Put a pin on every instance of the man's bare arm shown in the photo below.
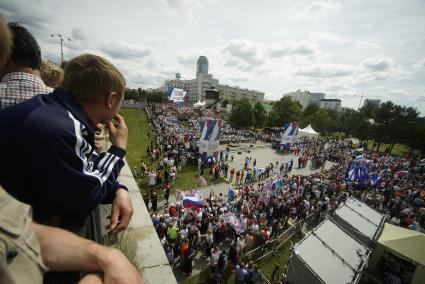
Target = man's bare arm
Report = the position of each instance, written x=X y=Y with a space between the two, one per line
x=64 y=251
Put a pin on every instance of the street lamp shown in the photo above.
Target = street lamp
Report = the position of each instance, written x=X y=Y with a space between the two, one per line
x=62 y=38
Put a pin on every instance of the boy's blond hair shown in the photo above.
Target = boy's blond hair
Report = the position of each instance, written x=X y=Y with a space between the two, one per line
x=51 y=74
x=90 y=77
x=5 y=41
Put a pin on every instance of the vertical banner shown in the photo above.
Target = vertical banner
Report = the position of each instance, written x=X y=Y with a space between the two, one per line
x=288 y=135
x=210 y=138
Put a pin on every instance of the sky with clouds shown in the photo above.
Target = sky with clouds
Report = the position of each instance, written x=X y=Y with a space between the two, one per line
x=343 y=48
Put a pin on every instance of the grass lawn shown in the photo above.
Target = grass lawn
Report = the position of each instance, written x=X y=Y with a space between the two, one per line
x=398 y=150
x=138 y=142
x=268 y=265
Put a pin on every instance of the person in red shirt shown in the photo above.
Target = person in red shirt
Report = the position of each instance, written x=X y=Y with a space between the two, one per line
x=232 y=173
x=183 y=249
x=238 y=174
x=172 y=210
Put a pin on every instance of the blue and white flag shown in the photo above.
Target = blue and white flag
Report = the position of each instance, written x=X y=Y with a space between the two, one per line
x=288 y=135
x=358 y=170
x=374 y=179
x=210 y=138
x=230 y=193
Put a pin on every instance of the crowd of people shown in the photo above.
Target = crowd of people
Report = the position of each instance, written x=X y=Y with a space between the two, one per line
x=263 y=207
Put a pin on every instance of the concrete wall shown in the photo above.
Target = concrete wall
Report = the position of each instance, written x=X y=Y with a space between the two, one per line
x=150 y=253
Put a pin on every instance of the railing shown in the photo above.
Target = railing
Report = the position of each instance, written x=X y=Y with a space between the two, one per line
x=272 y=246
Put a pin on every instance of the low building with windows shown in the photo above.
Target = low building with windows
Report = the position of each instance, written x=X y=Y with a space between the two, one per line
x=332 y=104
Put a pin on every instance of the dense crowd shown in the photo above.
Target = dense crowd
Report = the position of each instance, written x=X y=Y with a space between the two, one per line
x=263 y=208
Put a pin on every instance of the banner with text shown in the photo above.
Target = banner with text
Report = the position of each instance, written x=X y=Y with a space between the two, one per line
x=178 y=96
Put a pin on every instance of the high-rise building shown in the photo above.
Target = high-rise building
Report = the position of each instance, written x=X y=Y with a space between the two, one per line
x=306 y=98
x=201 y=65
x=196 y=87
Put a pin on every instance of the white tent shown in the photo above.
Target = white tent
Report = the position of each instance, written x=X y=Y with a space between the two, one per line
x=360 y=221
x=199 y=104
x=337 y=251
x=406 y=244
x=308 y=132
x=327 y=255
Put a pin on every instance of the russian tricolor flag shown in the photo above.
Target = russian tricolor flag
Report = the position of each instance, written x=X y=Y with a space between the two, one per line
x=192 y=202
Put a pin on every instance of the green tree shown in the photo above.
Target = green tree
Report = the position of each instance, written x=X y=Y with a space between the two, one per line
x=272 y=119
x=285 y=110
x=225 y=102
x=130 y=94
x=156 y=97
x=310 y=109
x=320 y=121
x=417 y=139
x=369 y=109
x=241 y=114
x=259 y=115
x=383 y=123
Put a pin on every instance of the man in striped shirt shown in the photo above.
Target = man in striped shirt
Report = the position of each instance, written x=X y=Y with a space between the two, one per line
x=21 y=76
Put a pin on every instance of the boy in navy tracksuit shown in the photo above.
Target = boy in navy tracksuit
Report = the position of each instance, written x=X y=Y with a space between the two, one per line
x=47 y=147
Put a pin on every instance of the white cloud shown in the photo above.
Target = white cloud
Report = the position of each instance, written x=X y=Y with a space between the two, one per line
x=247 y=52
x=291 y=47
x=188 y=11
x=318 y=9
x=125 y=50
x=34 y=18
x=326 y=37
x=386 y=91
x=419 y=65
x=326 y=70
x=367 y=45
x=378 y=63
x=78 y=34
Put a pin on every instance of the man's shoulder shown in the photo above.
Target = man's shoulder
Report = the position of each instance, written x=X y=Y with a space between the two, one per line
x=48 y=119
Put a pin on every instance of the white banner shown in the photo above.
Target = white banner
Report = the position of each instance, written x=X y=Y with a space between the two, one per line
x=177 y=95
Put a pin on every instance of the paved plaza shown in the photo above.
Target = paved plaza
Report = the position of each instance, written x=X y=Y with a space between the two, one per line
x=264 y=154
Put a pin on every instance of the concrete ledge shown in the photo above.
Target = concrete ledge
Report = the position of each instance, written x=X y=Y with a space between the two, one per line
x=150 y=253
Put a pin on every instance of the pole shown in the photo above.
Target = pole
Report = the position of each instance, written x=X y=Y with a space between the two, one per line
x=360 y=104
x=61 y=40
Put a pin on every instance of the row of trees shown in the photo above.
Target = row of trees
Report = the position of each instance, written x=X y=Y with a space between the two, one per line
x=140 y=95
x=384 y=123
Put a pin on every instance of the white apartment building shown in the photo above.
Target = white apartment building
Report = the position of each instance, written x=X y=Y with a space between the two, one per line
x=306 y=98
x=235 y=93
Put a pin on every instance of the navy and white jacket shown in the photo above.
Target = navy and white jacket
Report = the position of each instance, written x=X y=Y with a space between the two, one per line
x=48 y=158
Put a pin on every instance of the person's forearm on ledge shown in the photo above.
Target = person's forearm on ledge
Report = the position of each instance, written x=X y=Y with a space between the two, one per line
x=64 y=251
